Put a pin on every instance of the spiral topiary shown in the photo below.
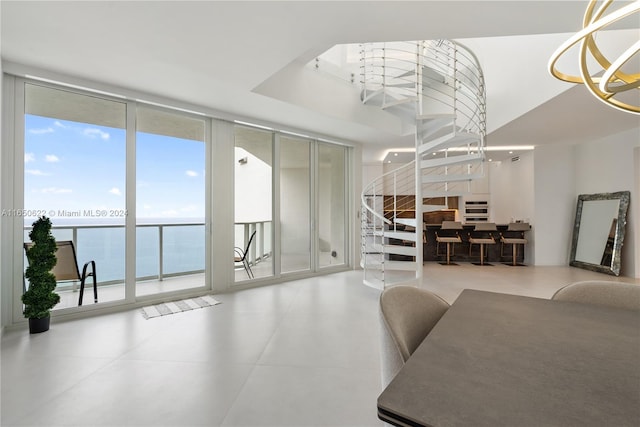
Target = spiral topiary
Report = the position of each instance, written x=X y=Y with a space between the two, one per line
x=40 y=298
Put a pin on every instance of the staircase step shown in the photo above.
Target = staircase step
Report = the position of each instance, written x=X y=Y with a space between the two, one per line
x=375 y=284
x=444 y=193
x=453 y=160
x=447 y=141
x=411 y=222
x=428 y=179
x=432 y=74
x=409 y=85
x=435 y=116
x=400 y=250
x=433 y=208
x=401 y=265
x=409 y=73
x=407 y=100
x=402 y=235
x=371 y=94
x=427 y=127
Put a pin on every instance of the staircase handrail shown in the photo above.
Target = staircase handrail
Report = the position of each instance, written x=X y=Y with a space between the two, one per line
x=372 y=184
x=378 y=68
x=438 y=85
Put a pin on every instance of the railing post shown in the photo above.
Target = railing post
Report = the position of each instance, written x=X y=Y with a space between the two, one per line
x=384 y=73
x=260 y=234
x=252 y=249
x=74 y=237
x=160 y=252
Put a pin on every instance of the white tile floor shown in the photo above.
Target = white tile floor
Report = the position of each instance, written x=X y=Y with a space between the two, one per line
x=293 y=354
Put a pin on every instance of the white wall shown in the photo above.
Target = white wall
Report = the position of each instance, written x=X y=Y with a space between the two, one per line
x=371 y=171
x=554 y=198
x=252 y=187
x=511 y=187
x=607 y=166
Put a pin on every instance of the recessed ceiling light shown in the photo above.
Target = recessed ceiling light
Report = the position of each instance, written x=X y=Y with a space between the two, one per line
x=510 y=152
x=395 y=154
x=491 y=160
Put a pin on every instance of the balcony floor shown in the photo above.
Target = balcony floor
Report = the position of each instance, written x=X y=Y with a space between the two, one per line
x=115 y=292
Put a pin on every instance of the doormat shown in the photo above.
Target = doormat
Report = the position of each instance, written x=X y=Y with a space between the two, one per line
x=173 y=307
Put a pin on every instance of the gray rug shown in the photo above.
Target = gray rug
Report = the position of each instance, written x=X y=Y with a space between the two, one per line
x=173 y=307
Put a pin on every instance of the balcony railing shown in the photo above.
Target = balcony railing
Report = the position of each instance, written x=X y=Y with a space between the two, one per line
x=162 y=249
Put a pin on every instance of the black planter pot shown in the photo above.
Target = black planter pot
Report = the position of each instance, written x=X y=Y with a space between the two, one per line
x=39 y=325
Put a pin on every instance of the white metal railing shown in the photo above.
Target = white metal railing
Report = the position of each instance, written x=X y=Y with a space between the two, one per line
x=164 y=256
x=383 y=201
x=386 y=65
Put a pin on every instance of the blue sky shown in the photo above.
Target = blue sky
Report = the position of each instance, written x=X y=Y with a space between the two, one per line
x=77 y=166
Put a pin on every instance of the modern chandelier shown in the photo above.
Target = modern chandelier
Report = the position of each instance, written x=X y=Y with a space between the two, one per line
x=613 y=81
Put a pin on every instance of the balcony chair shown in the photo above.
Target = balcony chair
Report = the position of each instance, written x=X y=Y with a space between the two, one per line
x=514 y=235
x=448 y=233
x=601 y=292
x=66 y=268
x=241 y=256
x=407 y=315
x=482 y=234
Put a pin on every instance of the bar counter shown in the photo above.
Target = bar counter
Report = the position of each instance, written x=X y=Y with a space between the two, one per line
x=460 y=253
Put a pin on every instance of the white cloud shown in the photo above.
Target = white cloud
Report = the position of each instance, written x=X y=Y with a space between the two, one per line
x=116 y=191
x=51 y=158
x=93 y=132
x=60 y=125
x=29 y=157
x=191 y=173
x=56 y=190
x=145 y=206
x=171 y=212
x=36 y=172
x=41 y=131
x=189 y=208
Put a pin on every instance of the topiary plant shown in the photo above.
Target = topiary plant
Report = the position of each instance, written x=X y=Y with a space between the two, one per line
x=40 y=298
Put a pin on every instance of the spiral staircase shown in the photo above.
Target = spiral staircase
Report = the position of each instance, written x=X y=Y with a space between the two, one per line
x=436 y=88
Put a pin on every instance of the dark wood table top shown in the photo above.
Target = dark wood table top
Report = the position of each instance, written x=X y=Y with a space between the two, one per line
x=505 y=360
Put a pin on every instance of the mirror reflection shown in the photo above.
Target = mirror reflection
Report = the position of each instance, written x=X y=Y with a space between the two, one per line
x=599 y=231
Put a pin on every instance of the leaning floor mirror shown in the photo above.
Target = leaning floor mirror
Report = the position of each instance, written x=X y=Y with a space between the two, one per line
x=598 y=232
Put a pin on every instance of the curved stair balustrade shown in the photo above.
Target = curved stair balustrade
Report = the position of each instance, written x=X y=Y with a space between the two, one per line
x=437 y=88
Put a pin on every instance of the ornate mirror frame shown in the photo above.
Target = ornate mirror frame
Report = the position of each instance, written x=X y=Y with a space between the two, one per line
x=613 y=246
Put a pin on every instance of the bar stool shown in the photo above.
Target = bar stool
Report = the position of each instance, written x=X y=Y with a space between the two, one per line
x=449 y=233
x=514 y=235
x=482 y=235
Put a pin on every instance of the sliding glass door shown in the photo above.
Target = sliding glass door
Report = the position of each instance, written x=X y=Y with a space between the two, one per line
x=253 y=207
x=90 y=164
x=170 y=201
x=332 y=205
x=295 y=204
x=74 y=173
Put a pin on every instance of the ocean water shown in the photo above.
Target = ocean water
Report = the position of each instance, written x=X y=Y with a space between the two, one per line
x=183 y=245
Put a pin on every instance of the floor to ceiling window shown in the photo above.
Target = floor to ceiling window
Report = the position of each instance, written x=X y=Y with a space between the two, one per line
x=170 y=201
x=74 y=173
x=295 y=204
x=311 y=179
x=130 y=184
x=332 y=205
x=253 y=207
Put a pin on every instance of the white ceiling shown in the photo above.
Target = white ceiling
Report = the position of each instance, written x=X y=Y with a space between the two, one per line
x=217 y=54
